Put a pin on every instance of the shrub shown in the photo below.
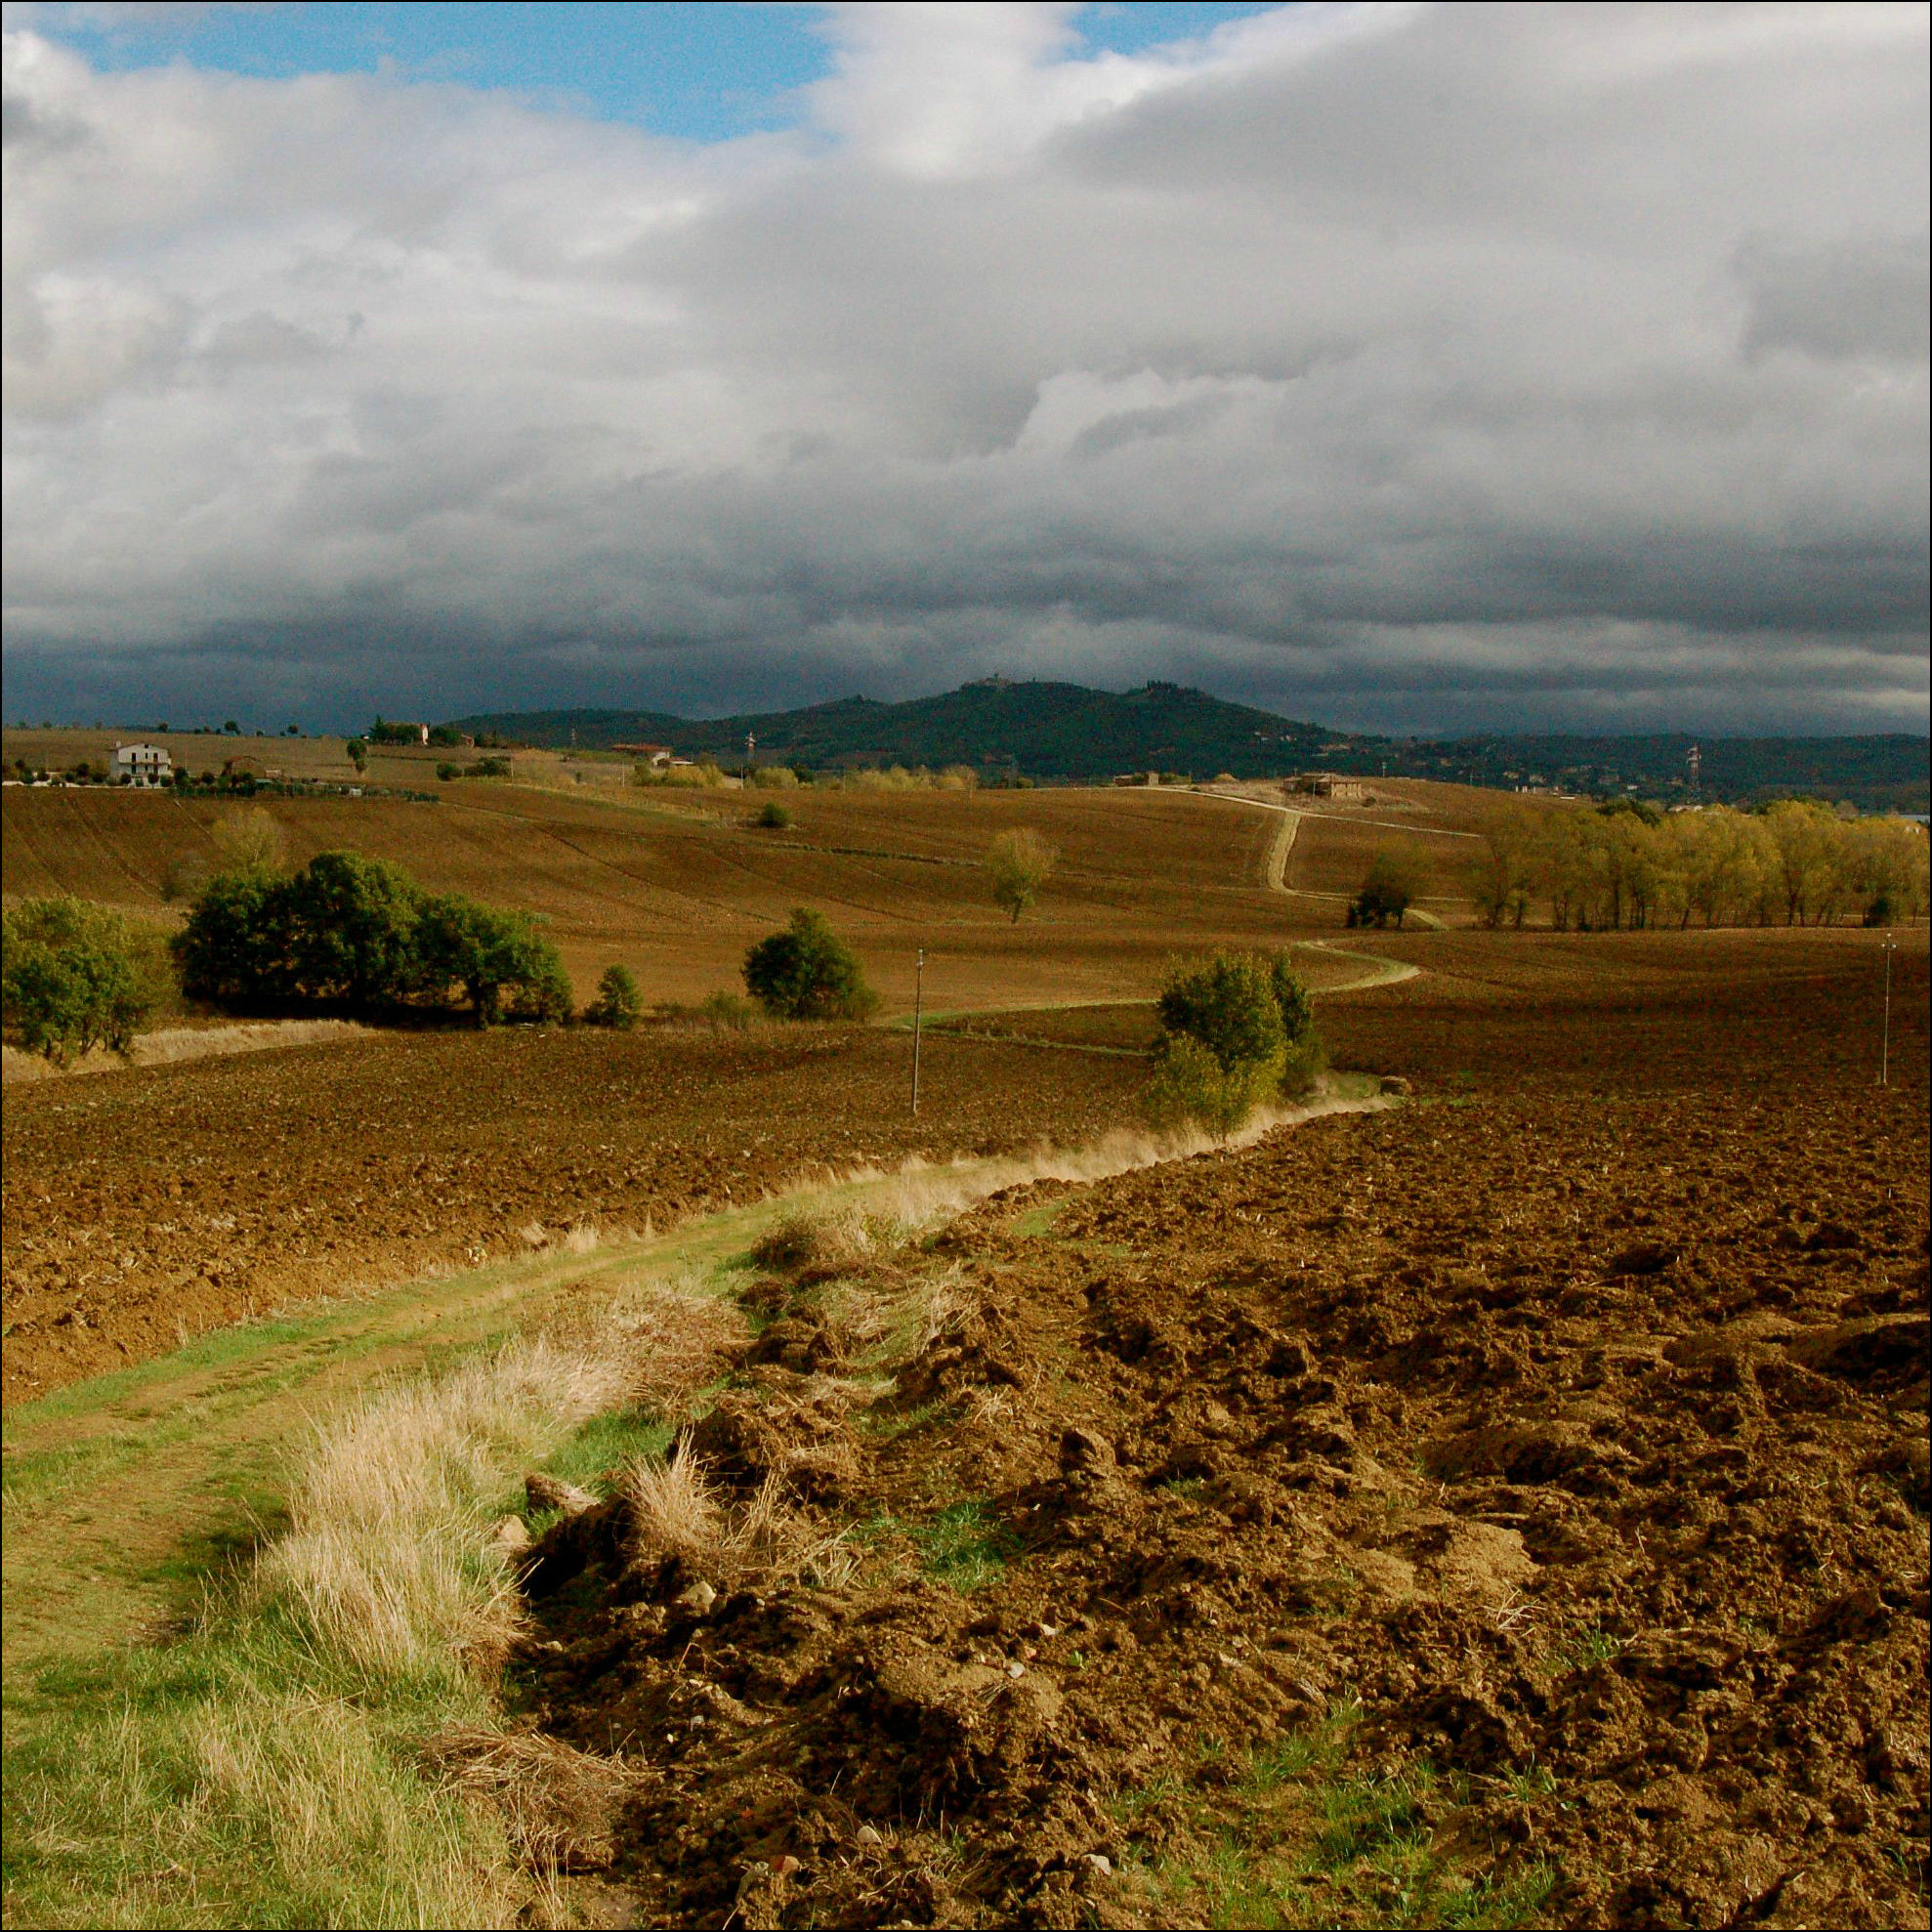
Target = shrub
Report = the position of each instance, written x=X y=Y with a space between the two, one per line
x=489 y=952
x=775 y=777
x=807 y=972
x=1227 y=1003
x=76 y=975
x=618 y=1003
x=1190 y=1087
x=1018 y=864
x=728 y=1010
x=775 y=816
x=1236 y=1030
x=250 y=836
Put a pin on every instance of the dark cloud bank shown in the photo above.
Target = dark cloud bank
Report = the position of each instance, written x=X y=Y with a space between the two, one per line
x=1410 y=368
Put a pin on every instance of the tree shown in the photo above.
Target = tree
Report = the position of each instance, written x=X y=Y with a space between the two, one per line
x=807 y=972
x=618 y=1003
x=1499 y=876
x=1018 y=864
x=1388 y=889
x=1227 y=1005
x=1237 y=1028
x=354 y=931
x=358 y=754
x=489 y=952
x=237 y=946
x=250 y=839
x=76 y=975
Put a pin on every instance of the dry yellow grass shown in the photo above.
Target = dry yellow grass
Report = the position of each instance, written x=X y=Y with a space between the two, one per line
x=393 y=1500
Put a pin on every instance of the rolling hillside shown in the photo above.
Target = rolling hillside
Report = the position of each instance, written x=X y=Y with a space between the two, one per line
x=676 y=886
x=1065 y=733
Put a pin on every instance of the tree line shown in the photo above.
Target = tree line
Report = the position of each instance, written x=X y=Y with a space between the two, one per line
x=1628 y=866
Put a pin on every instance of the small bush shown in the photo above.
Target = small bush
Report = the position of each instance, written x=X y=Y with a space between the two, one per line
x=1237 y=1030
x=1388 y=889
x=1227 y=1005
x=775 y=817
x=729 y=1011
x=807 y=972
x=618 y=1003
x=775 y=777
x=1190 y=1087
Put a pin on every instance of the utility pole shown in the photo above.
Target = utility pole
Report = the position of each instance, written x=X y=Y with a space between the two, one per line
x=1884 y=1039
x=750 y=755
x=918 y=1015
x=1694 y=758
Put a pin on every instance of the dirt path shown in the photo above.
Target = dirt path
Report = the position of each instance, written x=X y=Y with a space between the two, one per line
x=1275 y=863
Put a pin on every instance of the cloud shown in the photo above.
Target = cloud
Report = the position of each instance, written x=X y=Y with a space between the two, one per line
x=1407 y=367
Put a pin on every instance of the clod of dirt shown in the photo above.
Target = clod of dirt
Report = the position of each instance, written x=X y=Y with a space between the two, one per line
x=1870 y=1349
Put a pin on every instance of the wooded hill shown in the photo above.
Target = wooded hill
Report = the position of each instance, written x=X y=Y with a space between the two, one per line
x=1066 y=733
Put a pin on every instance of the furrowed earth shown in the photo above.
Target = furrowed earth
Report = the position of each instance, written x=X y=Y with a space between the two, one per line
x=1505 y=1509
x=1507 y=1506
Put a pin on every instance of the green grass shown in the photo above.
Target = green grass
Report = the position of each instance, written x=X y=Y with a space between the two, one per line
x=598 y=1452
x=239 y=1777
x=963 y=1544
x=1589 y=1647
x=1299 y=1841
x=966 y=1545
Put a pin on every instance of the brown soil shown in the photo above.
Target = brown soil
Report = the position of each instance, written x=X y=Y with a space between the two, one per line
x=1523 y=1489
x=156 y=1203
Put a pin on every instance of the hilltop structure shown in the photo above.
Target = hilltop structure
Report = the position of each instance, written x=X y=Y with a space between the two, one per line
x=146 y=767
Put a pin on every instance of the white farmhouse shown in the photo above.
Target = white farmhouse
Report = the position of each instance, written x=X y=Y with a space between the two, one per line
x=145 y=765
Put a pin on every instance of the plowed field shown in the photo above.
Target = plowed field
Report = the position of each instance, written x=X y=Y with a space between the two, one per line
x=1510 y=1509
x=149 y=1205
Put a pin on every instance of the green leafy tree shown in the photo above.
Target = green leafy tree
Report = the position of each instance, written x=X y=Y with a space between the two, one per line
x=1388 y=889
x=76 y=975
x=1236 y=1030
x=618 y=1003
x=358 y=754
x=237 y=948
x=807 y=972
x=354 y=931
x=1018 y=864
x=1227 y=1004
x=490 y=955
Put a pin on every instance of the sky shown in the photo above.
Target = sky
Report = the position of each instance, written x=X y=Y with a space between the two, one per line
x=1405 y=367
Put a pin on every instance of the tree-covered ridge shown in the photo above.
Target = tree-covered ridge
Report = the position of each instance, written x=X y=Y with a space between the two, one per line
x=1045 y=729
x=1063 y=732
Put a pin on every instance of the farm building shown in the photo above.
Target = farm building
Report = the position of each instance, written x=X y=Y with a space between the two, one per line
x=657 y=756
x=242 y=766
x=144 y=765
x=1327 y=785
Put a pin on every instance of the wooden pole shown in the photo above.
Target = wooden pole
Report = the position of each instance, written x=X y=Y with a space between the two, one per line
x=918 y=1014
x=1885 y=1038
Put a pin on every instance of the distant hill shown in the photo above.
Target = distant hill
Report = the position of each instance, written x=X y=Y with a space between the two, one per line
x=1044 y=729
x=1063 y=733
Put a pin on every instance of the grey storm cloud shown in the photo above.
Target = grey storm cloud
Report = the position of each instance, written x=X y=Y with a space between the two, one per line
x=1408 y=366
